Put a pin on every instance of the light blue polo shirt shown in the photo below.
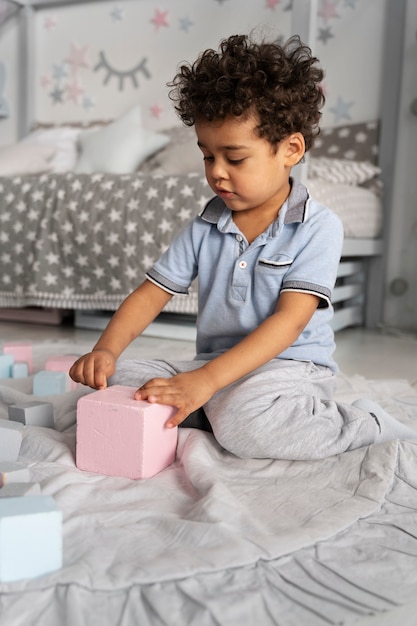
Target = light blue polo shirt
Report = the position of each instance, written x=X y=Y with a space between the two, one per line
x=239 y=283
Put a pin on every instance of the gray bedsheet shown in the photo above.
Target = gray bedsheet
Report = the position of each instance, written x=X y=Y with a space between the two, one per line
x=218 y=541
x=81 y=241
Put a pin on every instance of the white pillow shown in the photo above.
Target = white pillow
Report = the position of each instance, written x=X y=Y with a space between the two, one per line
x=120 y=147
x=64 y=139
x=179 y=159
x=24 y=158
x=342 y=171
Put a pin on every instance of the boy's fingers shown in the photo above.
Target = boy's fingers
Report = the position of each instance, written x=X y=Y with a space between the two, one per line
x=176 y=420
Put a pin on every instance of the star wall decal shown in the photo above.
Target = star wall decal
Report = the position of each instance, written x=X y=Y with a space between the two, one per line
x=325 y=34
x=45 y=81
x=156 y=110
x=49 y=22
x=88 y=103
x=78 y=57
x=186 y=24
x=57 y=95
x=272 y=4
x=117 y=14
x=328 y=10
x=74 y=91
x=60 y=71
x=341 y=110
x=160 y=19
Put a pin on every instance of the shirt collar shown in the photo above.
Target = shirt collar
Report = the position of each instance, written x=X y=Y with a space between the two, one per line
x=294 y=210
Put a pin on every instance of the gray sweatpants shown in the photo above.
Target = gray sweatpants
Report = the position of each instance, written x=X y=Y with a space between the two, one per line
x=282 y=410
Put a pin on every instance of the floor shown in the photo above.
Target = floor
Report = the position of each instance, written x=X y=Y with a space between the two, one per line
x=379 y=354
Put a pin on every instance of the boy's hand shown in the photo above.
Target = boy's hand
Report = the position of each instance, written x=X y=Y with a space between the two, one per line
x=93 y=369
x=187 y=391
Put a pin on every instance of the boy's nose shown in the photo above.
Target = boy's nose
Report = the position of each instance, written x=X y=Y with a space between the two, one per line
x=218 y=171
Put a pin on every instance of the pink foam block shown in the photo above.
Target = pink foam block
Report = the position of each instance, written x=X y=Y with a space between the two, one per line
x=21 y=351
x=120 y=436
x=62 y=363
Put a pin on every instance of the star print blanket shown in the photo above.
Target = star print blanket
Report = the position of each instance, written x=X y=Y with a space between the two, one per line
x=81 y=241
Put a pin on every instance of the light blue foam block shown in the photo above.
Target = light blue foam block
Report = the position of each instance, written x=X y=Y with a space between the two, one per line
x=6 y=364
x=49 y=383
x=20 y=370
x=30 y=537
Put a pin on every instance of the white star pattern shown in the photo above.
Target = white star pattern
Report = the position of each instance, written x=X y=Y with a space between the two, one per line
x=52 y=259
x=167 y=203
x=115 y=215
x=184 y=214
x=84 y=282
x=130 y=250
x=131 y=272
x=165 y=226
x=112 y=238
x=152 y=193
x=81 y=238
x=51 y=279
x=98 y=272
x=148 y=215
x=131 y=227
x=147 y=238
x=133 y=205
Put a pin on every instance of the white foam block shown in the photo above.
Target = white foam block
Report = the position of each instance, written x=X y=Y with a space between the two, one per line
x=10 y=439
x=14 y=490
x=33 y=413
x=13 y=473
x=30 y=537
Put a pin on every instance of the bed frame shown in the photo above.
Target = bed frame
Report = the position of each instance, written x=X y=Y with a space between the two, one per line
x=358 y=295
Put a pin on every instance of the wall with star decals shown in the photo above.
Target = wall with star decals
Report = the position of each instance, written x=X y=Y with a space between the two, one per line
x=94 y=61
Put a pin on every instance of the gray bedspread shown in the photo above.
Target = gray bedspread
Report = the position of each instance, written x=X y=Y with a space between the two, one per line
x=78 y=241
x=214 y=540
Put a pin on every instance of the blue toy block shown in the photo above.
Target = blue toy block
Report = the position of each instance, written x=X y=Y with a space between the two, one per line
x=20 y=370
x=47 y=383
x=33 y=413
x=6 y=363
x=30 y=537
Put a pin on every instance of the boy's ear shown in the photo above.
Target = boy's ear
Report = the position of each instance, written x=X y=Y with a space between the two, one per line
x=295 y=149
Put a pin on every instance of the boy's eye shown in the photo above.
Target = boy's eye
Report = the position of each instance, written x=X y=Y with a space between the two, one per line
x=235 y=161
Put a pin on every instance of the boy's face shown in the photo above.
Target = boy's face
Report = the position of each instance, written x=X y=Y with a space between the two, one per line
x=242 y=168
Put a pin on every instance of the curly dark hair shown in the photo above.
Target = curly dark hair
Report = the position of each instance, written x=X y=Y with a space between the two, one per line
x=280 y=83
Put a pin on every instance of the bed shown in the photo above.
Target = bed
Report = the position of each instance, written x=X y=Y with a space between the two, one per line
x=213 y=540
x=78 y=234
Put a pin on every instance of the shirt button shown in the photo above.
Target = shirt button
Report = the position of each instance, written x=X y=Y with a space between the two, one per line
x=242 y=264
x=239 y=237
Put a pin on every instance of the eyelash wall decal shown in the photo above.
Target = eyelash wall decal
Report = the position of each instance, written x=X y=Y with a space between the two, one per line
x=122 y=75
